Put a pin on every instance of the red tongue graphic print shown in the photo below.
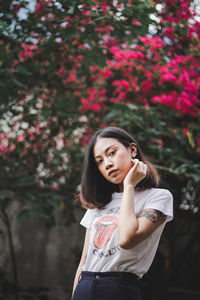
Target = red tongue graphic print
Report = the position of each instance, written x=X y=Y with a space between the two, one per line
x=105 y=227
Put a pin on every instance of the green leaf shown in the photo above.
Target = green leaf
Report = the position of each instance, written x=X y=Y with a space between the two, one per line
x=27 y=213
x=26 y=181
x=53 y=203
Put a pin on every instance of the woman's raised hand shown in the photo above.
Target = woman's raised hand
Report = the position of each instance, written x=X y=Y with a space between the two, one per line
x=136 y=173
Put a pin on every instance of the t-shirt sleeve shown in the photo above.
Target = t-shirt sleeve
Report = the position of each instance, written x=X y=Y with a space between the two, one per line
x=87 y=219
x=161 y=200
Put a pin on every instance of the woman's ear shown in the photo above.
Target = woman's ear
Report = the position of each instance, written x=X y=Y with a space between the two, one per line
x=133 y=149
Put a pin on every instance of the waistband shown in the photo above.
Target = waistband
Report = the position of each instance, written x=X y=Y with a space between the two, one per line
x=120 y=275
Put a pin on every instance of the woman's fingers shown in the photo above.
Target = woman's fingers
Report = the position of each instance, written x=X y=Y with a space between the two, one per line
x=143 y=168
x=136 y=173
x=140 y=167
x=135 y=163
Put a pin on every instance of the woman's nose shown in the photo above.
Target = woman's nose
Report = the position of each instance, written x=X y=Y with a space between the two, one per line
x=108 y=164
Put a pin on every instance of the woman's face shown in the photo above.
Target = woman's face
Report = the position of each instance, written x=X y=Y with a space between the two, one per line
x=113 y=159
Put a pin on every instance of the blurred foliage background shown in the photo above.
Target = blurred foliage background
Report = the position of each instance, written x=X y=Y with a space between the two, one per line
x=70 y=67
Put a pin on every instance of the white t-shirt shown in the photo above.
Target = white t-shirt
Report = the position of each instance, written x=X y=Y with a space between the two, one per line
x=104 y=252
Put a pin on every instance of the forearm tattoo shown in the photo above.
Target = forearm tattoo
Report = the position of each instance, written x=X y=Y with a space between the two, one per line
x=153 y=215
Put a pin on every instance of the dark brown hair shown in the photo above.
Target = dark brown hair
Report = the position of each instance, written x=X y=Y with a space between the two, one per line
x=96 y=191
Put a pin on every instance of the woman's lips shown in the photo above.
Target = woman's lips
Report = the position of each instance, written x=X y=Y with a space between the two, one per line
x=113 y=173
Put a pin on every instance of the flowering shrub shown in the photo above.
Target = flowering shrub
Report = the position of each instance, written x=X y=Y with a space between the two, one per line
x=71 y=67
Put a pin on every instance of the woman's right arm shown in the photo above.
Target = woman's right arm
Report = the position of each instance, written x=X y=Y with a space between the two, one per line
x=83 y=259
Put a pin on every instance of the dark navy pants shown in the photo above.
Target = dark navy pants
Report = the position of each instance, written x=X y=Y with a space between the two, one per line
x=107 y=286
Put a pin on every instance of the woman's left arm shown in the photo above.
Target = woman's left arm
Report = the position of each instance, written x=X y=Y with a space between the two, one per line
x=133 y=230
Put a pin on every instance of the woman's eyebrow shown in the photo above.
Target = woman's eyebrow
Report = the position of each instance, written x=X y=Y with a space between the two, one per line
x=106 y=150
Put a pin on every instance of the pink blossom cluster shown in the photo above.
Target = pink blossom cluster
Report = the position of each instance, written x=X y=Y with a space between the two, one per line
x=29 y=138
x=125 y=55
x=5 y=146
x=16 y=7
x=177 y=10
x=28 y=51
x=182 y=19
x=143 y=77
x=183 y=75
x=139 y=72
x=122 y=87
x=87 y=136
x=40 y=6
x=95 y=99
x=155 y=42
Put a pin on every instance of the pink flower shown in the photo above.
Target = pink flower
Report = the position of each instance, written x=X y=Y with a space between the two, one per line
x=12 y=147
x=80 y=46
x=104 y=6
x=84 y=21
x=86 y=106
x=87 y=136
x=114 y=100
x=125 y=84
x=122 y=95
x=31 y=135
x=185 y=131
x=16 y=7
x=20 y=138
x=58 y=40
x=100 y=29
x=121 y=84
x=96 y=107
x=86 y=139
x=68 y=18
x=80 y=57
x=3 y=149
x=126 y=55
x=27 y=52
x=168 y=77
x=169 y=32
x=168 y=100
x=86 y=12
x=48 y=160
x=71 y=77
x=61 y=72
x=185 y=77
x=145 y=40
x=146 y=86
x=136 y=22
x=198 y=142
x=14 y=63
x=108 y=73
x=155 y=42
x=44 y=96
x=36 y=146
x=54 y=187
x=55 y=119
x=102 y=92
x=37 y=128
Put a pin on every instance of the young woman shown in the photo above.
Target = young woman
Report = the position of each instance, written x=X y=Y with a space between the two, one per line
x=125 y=217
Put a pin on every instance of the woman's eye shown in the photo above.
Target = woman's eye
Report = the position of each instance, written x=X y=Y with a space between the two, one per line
x=99 y=162
x=112 y=153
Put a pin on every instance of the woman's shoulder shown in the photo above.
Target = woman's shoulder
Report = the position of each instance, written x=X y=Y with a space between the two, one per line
x=162 y=192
